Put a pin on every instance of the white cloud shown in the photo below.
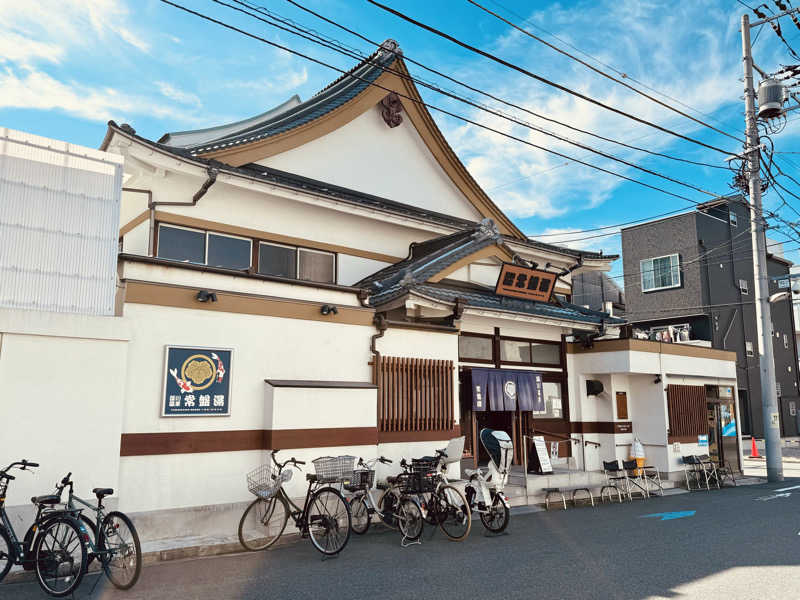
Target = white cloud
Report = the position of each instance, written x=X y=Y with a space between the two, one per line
x=20 y=49
x=173 y=93
x=590 y=240
x=288 y=81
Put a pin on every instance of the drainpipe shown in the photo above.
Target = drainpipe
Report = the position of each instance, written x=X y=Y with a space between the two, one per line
x=381 y=326
x=212 y=173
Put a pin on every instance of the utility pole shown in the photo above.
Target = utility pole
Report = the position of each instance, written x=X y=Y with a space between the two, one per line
x=769 y=393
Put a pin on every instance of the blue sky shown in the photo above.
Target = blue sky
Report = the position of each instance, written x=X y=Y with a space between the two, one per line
x=68 y=66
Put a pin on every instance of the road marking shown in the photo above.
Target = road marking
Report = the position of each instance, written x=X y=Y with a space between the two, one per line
x=774 y=496
x=794 y=487
x=668 y=516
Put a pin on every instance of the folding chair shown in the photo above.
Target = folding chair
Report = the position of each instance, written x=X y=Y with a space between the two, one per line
x=633 y=479
x=652 y=480
x=710 y=468
x=724 y=471
x=614 y=477
x=694 y=473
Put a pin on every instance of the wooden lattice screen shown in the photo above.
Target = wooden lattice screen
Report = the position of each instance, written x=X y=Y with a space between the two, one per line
x=688 y=414
x=415 y=394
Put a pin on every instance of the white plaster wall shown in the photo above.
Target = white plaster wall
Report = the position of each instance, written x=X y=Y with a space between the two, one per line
x=137 y=240
x=478 y=324
x=131 y=206
x=370 y=157
x=355 y=268
x=320 y=408
x=62 y=399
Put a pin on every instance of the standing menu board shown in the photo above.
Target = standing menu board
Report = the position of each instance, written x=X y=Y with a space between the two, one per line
x=540 y=462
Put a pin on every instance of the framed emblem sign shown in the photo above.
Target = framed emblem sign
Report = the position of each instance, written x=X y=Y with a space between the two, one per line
x=196 y=382
x=523 y=282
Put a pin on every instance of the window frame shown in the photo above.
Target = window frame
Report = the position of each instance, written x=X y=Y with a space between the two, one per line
x=476 y=360
x=733 y=218
x=194 y=229
x=654 y=258
x=316 y=251
x=236 y=237
x=279 y=245
x=744 y=289
x=531 y=341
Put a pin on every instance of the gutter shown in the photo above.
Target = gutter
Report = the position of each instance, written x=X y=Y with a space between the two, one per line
x=381 y=326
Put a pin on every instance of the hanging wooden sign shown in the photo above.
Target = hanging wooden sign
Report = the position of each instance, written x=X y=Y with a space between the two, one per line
x=523 y=282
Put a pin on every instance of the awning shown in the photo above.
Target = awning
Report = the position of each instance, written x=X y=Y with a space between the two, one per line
x=506 y=389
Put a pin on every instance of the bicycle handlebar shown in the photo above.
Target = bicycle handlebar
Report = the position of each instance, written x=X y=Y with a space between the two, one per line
x=283 y=464
x=22 y=464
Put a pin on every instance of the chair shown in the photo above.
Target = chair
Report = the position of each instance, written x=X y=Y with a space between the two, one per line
x=652 y=480
x=710 y=468
x=725 y=471
x=633 y=479
x=694 y=473
x=614 y=477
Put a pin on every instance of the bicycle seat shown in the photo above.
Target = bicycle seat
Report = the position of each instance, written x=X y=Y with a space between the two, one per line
x=46 y=499
x=311 y=477
x=100 y=492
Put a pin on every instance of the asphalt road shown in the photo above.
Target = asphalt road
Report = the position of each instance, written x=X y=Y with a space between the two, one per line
x=735 y=546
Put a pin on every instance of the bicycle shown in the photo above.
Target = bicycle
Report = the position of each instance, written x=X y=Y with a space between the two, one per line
x=116 y=542
x=442 y=504
x=324 y=518
x=54 y=546
x=406 y=514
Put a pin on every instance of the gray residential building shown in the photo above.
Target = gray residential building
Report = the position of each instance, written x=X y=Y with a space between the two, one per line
x=689 y=279
x=598 y=291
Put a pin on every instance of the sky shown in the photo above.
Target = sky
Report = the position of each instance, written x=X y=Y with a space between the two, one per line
x=68 y=66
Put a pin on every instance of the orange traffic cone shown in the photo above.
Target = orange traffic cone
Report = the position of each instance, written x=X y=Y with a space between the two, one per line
x=754 y=449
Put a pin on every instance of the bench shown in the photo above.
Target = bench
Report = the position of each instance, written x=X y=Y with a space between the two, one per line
x=559 y=491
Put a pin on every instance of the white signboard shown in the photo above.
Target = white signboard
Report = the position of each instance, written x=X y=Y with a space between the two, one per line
x=541 y=452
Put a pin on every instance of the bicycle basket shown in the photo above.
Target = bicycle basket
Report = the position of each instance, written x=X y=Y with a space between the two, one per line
x=331 y=469
x=424 y=465
x=363 y=479
x=416 y=483
x=265 y=481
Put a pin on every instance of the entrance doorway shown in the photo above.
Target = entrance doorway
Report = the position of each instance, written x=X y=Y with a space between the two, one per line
x=722 y=439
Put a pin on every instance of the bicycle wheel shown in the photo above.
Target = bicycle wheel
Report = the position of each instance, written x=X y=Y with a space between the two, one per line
x=359 y=512
x=6 y=554
x=118 y=537
x=59 y=555
x=263 y=523
x=387 y=506
x=328 y=520
x=455 y=519
x=409 y=519
x=496 y=520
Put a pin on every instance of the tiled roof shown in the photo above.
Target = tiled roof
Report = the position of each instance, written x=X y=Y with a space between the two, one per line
x=341 y=91
x=482 y=298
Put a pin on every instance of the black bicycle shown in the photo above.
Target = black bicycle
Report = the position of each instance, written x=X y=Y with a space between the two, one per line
x=325 y=515
x=54 y=546
x=116 y=543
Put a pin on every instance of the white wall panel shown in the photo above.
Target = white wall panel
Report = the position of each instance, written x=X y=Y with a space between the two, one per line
x=59 y=219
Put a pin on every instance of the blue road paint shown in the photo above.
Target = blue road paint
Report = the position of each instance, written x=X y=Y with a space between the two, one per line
x=668 y=516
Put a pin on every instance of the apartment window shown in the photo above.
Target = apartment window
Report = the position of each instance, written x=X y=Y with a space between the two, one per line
x=229 y=252
x=475 y=348
x=733 y=218
x=314 y=265
x=743 y=286
x=180 y=243
x=660 y=273
x=274 y=259
x=748 y=348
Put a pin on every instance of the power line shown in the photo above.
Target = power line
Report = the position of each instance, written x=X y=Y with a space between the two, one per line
x=473 y=104
x=423 y=103
x=542 y=79
x=478 y=90
x=599 y=72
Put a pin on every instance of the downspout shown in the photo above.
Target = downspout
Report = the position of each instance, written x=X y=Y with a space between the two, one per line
x=381 y=326
x=212 y=173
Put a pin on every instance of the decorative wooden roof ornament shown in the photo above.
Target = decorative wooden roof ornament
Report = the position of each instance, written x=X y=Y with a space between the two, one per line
x=392 y=107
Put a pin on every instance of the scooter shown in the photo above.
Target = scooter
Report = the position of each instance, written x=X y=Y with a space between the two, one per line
x=484 y=489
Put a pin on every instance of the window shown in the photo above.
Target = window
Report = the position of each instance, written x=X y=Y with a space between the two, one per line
x=660 y=273
x=553 y=405
x=546 y=354
x=778 y=388
x=515 y=351
x=785 y=341
x=229 y=252
x=179 y=243
x=280 y=261
x=313 y=265
x=743 y=287
x=748 y=347
x=475 y=348
x=733 y=218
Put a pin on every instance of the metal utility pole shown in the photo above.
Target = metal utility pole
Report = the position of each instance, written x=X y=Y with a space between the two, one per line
x=769 y=393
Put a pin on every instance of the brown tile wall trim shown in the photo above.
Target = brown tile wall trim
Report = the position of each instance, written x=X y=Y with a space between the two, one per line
x=651 y=346
x=386 y=437
x=190 y=442
x=164 y=294
x=172 y=218
x=601 y=426
x=683 y=439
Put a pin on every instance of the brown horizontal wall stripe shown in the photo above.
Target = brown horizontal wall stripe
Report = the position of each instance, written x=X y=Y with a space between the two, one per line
x=267 y=236
x=652 y=346
x=387 y=437
x=134 y=223
x=163 y=294
x=191 y=442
